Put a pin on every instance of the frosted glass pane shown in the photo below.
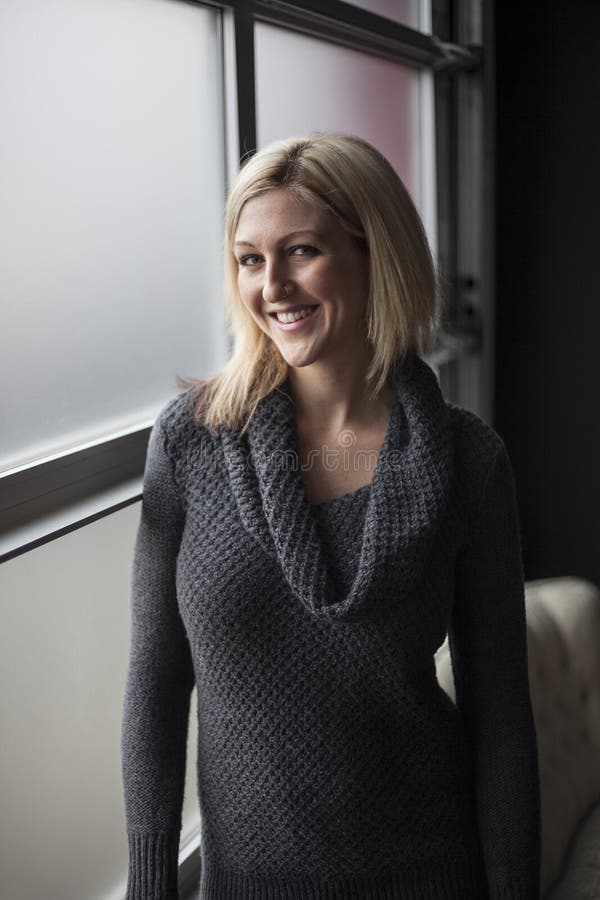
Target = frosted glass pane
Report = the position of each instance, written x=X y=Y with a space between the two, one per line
x=331 y=88
x=112 y=181
x=404 y=11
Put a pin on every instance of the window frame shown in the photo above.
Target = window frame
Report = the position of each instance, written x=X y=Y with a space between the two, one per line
x=43 y=500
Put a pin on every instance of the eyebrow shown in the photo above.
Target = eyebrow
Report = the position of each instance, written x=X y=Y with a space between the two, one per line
x=286 y=237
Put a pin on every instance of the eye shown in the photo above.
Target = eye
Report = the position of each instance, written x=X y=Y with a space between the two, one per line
x=303 y=250
x=251 y=259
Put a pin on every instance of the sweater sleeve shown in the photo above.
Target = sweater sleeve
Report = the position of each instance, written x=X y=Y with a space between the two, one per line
x=158 y=688
x=488 y=644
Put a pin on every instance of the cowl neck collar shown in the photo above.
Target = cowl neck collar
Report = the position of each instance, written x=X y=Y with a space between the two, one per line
x=408 y=496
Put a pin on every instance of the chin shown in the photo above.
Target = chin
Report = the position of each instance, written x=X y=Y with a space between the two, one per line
x=298 y=360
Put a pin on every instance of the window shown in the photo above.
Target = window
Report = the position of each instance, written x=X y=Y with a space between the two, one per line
x=113 y=196
x=304 y=84
x=404 y=11
x=119 y=121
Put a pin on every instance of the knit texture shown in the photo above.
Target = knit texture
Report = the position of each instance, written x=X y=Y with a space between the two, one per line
x=330 y=762
x=340 y=523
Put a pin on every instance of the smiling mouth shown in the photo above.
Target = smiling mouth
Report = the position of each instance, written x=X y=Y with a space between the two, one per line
x=294 y=315
x=297 y=324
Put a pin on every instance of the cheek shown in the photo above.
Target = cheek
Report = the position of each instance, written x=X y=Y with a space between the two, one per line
x=360 y=279
x=248 y=295
x=323 y=281
x=360 y=269
x=252 y=300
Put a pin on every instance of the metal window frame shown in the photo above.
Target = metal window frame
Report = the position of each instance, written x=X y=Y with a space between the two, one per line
x=49 y=498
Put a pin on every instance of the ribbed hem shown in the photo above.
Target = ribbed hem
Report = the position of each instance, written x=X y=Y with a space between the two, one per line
x=514 y=892
x=438 y=880
x=153 y=866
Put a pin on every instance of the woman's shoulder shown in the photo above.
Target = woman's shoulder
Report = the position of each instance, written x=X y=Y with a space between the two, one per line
x=178 y=425
x=472 y=432
x=175 y=411
x=477 y=445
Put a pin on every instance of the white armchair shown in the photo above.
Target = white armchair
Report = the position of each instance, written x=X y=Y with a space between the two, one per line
x=563 y=639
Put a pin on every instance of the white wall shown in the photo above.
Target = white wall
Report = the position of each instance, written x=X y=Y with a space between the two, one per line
x=64 y=647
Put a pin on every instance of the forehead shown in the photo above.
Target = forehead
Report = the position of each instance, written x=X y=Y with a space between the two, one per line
x=279 y=211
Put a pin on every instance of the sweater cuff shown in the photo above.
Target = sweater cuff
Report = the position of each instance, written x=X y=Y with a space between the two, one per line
x=515 y=891
x=153 y=866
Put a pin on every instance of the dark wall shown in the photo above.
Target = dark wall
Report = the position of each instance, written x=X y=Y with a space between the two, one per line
x=547 y=401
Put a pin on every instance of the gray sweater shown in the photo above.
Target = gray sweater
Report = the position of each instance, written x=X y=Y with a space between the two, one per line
x=331 y=765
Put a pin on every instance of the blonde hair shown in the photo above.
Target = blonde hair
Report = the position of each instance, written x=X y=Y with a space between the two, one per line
x=350 y=179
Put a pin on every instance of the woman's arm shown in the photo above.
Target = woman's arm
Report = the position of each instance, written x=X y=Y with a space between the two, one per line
x=488 y=644
x=159 y=684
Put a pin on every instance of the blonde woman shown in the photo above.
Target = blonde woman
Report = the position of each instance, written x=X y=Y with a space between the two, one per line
x=315 y=518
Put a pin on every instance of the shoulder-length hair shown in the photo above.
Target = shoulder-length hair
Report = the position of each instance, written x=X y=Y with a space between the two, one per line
x=348 y=178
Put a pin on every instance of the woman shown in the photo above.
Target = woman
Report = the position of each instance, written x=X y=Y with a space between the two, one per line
x=315 y=517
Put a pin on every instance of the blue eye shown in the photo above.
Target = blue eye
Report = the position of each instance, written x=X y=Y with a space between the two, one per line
x=247 y=260
x=306 y=249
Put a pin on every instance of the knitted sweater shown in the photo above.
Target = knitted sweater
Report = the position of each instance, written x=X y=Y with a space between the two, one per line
x=331 y=764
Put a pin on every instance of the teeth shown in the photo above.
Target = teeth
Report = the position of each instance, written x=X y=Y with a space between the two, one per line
x=293 y=317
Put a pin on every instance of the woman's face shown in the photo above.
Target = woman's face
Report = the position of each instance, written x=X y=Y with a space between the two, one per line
x=293 y=257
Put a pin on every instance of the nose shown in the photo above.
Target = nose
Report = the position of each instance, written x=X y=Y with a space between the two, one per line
x=276 y=286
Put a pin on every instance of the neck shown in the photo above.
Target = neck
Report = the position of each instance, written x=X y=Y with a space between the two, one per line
x=335 y=397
